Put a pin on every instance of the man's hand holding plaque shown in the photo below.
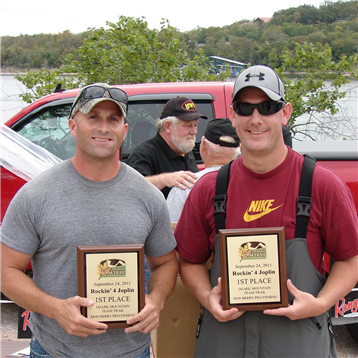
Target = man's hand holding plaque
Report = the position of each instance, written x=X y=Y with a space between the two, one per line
x=113 y=278
x=253 y=268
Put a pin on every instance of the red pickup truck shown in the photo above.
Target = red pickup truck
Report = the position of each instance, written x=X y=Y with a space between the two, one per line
x=44 y=122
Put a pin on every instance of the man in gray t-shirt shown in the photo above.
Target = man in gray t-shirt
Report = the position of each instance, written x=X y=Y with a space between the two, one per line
x=91 y=199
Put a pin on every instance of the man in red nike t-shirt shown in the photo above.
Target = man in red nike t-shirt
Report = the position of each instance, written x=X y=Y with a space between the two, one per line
x=262 y=193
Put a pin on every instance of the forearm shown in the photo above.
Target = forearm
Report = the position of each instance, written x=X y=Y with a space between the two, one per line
x=196 y=279
x=164 y=272
x=342 y=278
x=21 y=289
x=158 y=181
x=162 y=282
x=182 y=179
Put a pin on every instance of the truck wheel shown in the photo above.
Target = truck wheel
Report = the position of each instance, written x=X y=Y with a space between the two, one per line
x=353 y=331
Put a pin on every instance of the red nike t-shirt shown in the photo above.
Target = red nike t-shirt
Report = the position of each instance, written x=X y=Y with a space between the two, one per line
x=269 y=200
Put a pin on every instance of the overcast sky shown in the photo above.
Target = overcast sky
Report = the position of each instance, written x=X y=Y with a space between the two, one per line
x=54 y=16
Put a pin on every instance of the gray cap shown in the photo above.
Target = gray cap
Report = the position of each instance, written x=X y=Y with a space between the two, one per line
x=262 y=77
x=85 y=105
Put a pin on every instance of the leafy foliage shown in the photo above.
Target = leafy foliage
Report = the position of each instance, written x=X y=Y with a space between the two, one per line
x=309 y=93
x=317 y=45
x=38 y=51
x=253 y=41
x=250 y=41
x=42 y=82
x=128 y=52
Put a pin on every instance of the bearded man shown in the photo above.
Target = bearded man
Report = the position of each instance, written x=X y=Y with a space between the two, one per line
x=166 y=160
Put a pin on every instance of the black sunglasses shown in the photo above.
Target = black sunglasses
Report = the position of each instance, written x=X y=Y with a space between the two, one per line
x=264 y=108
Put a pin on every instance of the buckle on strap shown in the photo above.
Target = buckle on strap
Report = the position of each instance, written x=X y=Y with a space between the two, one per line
x=304 y=206
x=220 y=204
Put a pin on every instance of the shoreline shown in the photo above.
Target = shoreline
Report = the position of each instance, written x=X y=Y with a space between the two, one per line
x=24 y=72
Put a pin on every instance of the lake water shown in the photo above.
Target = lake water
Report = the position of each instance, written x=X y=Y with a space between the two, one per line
x=10 y=102
x=345 y=121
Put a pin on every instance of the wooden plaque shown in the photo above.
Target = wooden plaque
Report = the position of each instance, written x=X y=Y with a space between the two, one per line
x=253 y=268
x=113 y=277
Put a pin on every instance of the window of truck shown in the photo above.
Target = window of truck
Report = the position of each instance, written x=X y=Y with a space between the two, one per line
x=48 y=127
x=141 y=122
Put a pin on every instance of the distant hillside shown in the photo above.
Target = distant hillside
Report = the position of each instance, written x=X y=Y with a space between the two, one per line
x=259 y=41
x=334 y=24
x=35 y=51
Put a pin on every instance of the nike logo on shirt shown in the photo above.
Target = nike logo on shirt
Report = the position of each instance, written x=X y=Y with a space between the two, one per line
x=258 y=209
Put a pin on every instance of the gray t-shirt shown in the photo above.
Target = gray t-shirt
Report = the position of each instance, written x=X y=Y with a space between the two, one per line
x=59 y=210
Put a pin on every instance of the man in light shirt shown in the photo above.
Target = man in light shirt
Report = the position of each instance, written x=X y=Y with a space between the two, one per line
x=219 y=145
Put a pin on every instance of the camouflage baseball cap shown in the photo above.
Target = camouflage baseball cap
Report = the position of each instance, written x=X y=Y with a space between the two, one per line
x=95 y=93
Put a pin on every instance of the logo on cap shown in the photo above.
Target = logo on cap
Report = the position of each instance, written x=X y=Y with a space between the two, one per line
x=189 y=106
x=260 y=76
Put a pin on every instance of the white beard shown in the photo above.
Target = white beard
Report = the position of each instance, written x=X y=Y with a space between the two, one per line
x=186 y=145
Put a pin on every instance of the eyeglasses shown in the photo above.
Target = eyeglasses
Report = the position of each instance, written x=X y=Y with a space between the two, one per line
x=264 y=108
x=93 y=92
x=98 y=92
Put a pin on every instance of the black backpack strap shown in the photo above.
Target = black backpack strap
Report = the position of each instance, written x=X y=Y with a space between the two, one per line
x=304 y=197
x=304 y=200
x=222 y=183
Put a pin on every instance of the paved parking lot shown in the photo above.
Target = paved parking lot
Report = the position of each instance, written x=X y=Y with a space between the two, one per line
x=8 y=348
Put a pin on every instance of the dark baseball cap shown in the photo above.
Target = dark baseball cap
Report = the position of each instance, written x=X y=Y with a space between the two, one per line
x=219 y=127
x=183 y=108
x=262 y=77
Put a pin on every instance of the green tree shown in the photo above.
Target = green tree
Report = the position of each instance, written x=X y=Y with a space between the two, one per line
x=315 y=93
x=335 y=23
x=43 y=82
x=127 y=52
x=273 y=58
